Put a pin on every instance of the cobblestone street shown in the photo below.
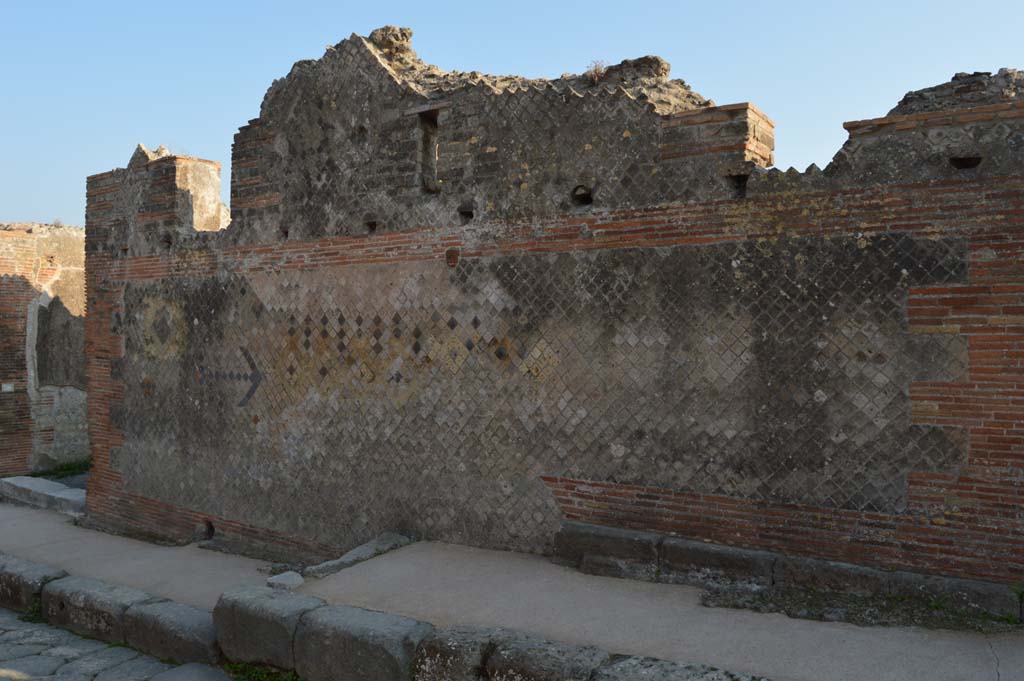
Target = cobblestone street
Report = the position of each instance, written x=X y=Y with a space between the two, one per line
x=37 y=651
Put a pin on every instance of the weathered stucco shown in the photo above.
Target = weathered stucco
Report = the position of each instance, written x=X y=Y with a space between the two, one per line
x=467 y=307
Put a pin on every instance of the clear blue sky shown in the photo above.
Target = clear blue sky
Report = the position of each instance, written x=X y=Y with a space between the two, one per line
x=83 y=82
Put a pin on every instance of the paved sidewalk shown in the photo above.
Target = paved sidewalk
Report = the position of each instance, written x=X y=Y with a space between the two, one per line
x=38 y=651
x=446 y=584
x=186 y=574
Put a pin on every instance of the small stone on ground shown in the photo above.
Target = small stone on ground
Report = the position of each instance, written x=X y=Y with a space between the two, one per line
x=286 y=580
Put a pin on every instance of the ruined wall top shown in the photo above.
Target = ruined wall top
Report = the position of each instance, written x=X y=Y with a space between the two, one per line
x=369 y=138
x=965 y=90
x=39 y=228
x=44 y=254
x=969 y=127
x=141 y=156
x=645 y=79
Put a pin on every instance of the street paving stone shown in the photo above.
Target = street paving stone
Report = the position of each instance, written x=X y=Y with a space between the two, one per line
x=38 y=652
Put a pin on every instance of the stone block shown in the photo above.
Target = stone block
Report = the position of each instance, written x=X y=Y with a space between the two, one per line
x=258 y=624
x=172 y=631
x=70 y=500
x=389 y=541
x=527 y=658
x=650 y=669
x=42 y=493
x=686 y=561
x=827 y=575
x=968 y=594
x=607 y=566
x=286 y=580
x=454 y=654
x=21 y=582
x=356 y=645
x=90 y=607
x=611 y=551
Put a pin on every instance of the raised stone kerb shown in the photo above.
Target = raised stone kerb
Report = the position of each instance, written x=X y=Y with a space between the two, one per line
x=607 y=551
x=258 y=624
x=21 y=582
x=90 y=607
x=625 y=553
x=43 y=493
x=649 y=669
x=695 y=562
x=527 y=657
x=172 y=631
x=356 y=644
x=825 y=575
x=455 y=654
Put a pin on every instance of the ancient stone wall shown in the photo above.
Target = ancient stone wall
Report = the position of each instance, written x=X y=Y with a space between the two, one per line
x=468 y=307
x=42 y=365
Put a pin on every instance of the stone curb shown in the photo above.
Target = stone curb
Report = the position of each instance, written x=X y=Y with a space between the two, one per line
x=650 y=669
x=608 y=551
x=541 y=660
x=172 y=631
x=110 y=613
x=613 y=552
x=339 y=641
x=455 y=653
x=262 y=625
x=688 y=561
x=43 y=493
x=22 y=582
x=471 y=654
x=90 y=607
x=257 y=624
x=325 y=642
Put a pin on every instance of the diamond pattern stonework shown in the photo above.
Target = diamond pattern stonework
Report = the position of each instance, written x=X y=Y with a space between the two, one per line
x=418 y=397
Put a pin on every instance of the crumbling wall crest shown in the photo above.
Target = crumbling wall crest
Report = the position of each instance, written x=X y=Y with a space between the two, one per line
x=964 y=90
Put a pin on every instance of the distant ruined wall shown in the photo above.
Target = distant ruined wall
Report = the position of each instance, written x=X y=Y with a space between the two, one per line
x=42 y=365
x=469 y=307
